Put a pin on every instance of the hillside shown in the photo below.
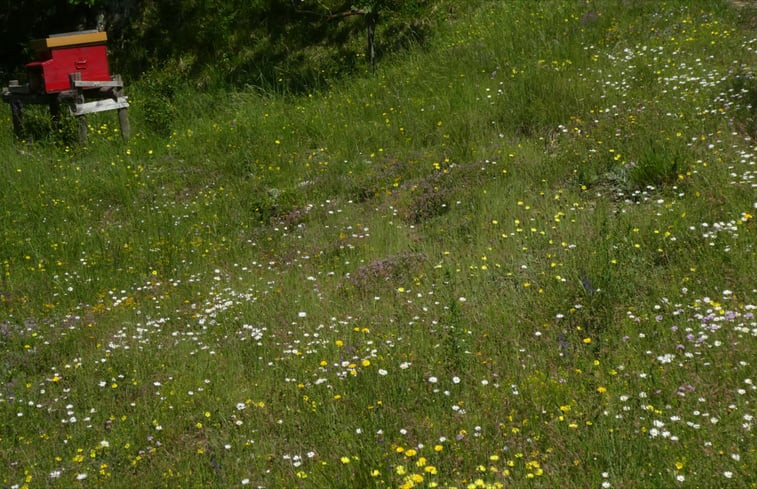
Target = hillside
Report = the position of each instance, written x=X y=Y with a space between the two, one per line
x=519 y=255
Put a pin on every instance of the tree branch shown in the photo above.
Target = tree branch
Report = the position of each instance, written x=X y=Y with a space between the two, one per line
x=347 y=13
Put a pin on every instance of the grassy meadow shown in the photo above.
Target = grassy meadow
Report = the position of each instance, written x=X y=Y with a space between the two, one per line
x=519 y=255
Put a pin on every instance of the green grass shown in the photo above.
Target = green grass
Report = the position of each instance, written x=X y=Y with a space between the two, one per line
x=522 y=256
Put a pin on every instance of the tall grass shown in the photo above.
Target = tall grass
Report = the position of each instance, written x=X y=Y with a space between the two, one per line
x=522 y=256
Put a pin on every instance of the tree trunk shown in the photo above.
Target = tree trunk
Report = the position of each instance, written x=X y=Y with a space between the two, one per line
x=372 y=19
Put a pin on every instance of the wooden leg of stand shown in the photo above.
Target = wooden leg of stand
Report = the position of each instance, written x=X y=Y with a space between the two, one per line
x=55 y=112
x=82 y=128
x=17 y=114
x=123 y=121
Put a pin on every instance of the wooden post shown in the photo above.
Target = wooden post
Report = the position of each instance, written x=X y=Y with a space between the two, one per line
x=79 y=99
x=55 y=111
x=123 y=115
x=17 y=114
x=123 y=121
x=82 y=120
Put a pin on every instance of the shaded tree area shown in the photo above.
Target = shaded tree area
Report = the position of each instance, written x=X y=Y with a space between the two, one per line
x=293 y=45
x=20 y=22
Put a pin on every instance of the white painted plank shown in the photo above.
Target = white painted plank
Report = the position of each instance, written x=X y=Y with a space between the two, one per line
x=99 y=106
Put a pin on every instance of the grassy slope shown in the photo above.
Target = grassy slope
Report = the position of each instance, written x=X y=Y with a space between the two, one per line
x=522 y=256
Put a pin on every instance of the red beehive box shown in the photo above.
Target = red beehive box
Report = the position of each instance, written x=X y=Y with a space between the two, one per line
x=60 y=55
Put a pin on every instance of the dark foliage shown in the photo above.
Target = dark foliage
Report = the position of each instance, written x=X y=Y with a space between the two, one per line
x=272 y=44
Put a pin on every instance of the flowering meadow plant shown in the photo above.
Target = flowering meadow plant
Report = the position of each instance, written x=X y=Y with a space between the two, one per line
x=522 y=255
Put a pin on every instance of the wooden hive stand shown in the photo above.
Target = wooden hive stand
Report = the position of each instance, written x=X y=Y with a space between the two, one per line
x=70 y=69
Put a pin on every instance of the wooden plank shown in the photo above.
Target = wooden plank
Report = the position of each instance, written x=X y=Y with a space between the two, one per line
x=24 y=96
x=64 y=34
x=19 y=89
x=97 y=84
x=99 y=106
x=71 y=39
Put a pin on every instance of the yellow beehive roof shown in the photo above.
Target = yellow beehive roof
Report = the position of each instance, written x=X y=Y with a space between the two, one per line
x=70 y=39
